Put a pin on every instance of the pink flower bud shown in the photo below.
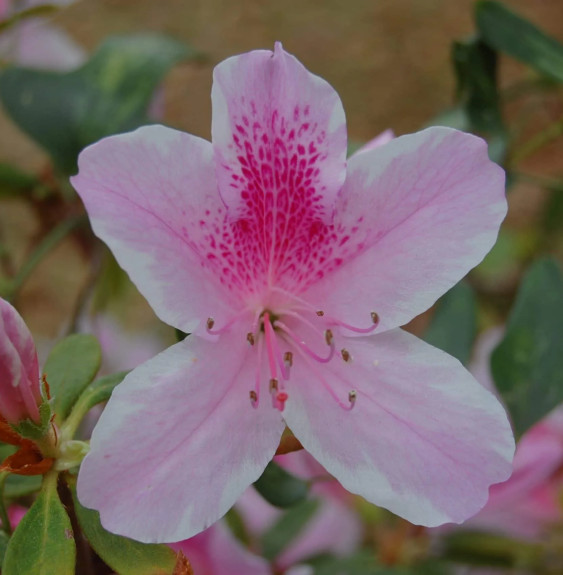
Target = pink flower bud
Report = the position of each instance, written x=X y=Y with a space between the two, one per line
x=20 y=393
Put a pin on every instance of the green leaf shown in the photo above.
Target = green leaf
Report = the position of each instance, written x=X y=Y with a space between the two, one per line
x=287 y=528
x=70 y=368
x=123 y=555
x=4 y=539
x=102 y=388
x=20 y=485
x=507 y=32
x=111 y=93
x=43 y=542
x=454 y=324
x=279 y=487
x=527 y=365
x=14 y=182
x=475 y=65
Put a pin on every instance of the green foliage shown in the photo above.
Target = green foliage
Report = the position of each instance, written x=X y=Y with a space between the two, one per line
x=14 y=182
x=20 y=485
x=4 y=538
x=70 y=368
x=43 y=542
x=527 y=365
x=287 y=528
x=279 y=487
x=475 y=65
x=454 y=325
x=125 y=556
x=111 y=93
x=507 y=32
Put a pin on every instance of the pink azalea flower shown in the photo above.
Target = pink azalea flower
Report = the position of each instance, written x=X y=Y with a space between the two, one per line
x=35 y=43
x=20 y=393
x=529 y=502
x=276 y=254
x=335 y=528
x=217 y=552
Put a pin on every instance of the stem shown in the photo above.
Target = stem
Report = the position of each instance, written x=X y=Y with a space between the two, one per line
x=539 y=140
x=49 y=242
x=77 y=414
x=544 y=182
x=6 y=525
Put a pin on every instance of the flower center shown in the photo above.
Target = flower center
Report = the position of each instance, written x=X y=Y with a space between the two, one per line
x=295 y=332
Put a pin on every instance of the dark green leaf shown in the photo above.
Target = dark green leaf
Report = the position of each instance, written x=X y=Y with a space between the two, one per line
x=454 y=325
x=279 y=487
x=20 y=485
x=102 y=388
x=476 y=71
x=14 y=182
x=507 y=32
x=43 y=542
x=125 y=556
x=70 y=368
x=3 y=546
x=287 y=528
x=111 y=93
x=527 y=365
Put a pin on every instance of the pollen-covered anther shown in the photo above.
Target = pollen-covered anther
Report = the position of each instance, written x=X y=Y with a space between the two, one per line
x=210 y=323
x=346 y=355
x=288 y=358
x=253 y=396
x=250 y=338
x=320 y=313
x=329 y=337
x=374 y=317
x=352 y=395
x=273 y=384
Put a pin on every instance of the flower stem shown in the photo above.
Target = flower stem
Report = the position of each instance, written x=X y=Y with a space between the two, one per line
x=6 y=525
x=50 y=241
x=552 y=132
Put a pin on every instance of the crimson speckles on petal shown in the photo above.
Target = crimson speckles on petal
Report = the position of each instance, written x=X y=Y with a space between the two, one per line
x=276 y=253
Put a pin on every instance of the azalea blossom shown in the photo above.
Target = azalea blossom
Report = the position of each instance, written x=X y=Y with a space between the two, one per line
x=20 y=392
x=36 y=43
x=293 y=269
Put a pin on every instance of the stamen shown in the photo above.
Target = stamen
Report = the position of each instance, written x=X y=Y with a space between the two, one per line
x=273 y=384
x=288 y=359
x=270 y=337
x=328 y=337
x=320 y=313
x=374 y=319
x=258 y=374
x=346 y=355
x=253 y=397
x=211 y=323
x=250 y=338
x=352 y=397
x=302 y=345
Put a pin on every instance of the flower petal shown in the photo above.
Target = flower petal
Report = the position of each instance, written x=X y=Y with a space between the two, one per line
x=19 y=369
x=279 y=136
x=413 y=218
x=152 y=197
x=178 y=442
x=424 y=440
x=217 y=552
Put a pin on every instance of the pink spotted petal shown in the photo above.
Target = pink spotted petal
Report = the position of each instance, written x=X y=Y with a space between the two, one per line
x=217 y=552
x=279 y=136
x=152 y=197
x=424 y=439
x=19 y=370
x=413 y=218
x=178 y=442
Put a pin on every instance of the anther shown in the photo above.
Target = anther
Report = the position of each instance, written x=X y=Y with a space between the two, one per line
x=288 y=358
x=253 y=396
x=273 y=384
x=320 y=313
x=210 y=323
x=328 y=337
x=250 y=338
x=374 y=317
x=352 y=397
x=346 y=355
